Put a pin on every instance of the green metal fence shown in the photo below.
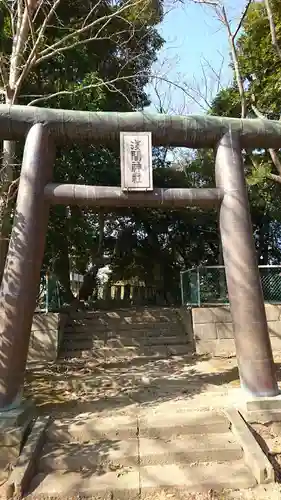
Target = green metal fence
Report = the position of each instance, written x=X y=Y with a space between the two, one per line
x=207 y=285
x=49 y=296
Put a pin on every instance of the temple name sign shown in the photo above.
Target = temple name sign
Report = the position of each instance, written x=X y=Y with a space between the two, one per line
x=136 y=161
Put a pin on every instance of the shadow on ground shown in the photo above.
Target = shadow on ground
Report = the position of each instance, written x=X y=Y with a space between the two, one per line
x=85 y=386
x=73 y=387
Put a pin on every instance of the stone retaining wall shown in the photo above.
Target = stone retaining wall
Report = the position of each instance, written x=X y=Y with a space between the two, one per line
x=213 y=330
x=45 y=337
x=209 y=328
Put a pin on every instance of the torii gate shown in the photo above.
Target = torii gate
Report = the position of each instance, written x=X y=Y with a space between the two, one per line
x=44 y=129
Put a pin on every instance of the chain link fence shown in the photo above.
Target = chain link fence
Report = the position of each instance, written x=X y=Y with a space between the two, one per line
x=50 y=297
x=207 y=285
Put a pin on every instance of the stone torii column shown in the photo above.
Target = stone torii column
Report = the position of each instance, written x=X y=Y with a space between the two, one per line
x=253 y=347
x=23 y=264
x=22 y=271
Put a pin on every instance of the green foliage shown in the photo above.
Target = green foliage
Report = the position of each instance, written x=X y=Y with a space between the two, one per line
x=258 y=60
x=108 y=72
x=259 y=174
x=119 y=50
x=111 y=75
x=260 y=68
x=227 y=103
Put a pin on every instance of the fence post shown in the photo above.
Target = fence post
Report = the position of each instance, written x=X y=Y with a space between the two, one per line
x=198 y=288
x=47 y=292
x=181 y=282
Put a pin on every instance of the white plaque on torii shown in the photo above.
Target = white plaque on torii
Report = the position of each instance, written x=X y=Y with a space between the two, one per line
x=136 y=161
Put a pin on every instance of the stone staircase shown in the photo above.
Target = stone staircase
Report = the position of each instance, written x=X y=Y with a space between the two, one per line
x=139 y=455
x=125 y=334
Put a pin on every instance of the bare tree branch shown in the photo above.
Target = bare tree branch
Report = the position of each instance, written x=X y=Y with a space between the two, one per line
x=11 y=9
x=275 y=178
x=213 y=3
x=51 y=50
x=40 y=4
x=220 y=11
x=202 y=93
x=25 y=27
x=62 y=45
x=217 y=74
x=222 y=16
x=176 y=85
x=32 y=55
x=242 y=19
x=90 y=13
x=14 y=56
x=30 y=20
x=25 y=10
x=110 y=84
x=274 y=156
x=234 y=58
x=69 y=47
x=272 y=27
x=275 y=160
x=112 y=88
x=100 y=83
x=3 y=74
x=30 y=23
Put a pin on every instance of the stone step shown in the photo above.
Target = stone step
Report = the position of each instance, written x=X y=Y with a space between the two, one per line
x=148 y=425
x=189 y=448
x=78 y=342
x=102 y=353
x=180 y=449
x=133 y=481
x=120 y=484
x=146 y=331
x=196 y=477
x=120 y=341
x=83 y=429
x=106 y=353
x=79 y=456
x=160 y=426
x=134 y=313
x=92 y=326
x=123 y=320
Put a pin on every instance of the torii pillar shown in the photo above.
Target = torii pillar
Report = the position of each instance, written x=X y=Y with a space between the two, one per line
x=18 y=290
x=253 y=347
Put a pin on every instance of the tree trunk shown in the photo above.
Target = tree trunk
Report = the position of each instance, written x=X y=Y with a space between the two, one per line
x=89 y=281
x=61 y=264
x=12 y=88
x=62 y=271
x=6 y=204
x=88 y=284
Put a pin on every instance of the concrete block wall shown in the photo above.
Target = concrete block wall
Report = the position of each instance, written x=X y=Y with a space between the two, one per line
x=187 y=321
x=213 y=330
x=45 y=337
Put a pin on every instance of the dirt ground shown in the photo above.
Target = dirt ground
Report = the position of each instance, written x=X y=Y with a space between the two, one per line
x=82 y=385
x=270 y=492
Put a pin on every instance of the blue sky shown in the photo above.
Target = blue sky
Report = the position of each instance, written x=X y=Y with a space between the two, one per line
x=196 y=44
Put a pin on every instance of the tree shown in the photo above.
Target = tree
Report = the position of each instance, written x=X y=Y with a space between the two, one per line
x=257 y=55
x=101 y=54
